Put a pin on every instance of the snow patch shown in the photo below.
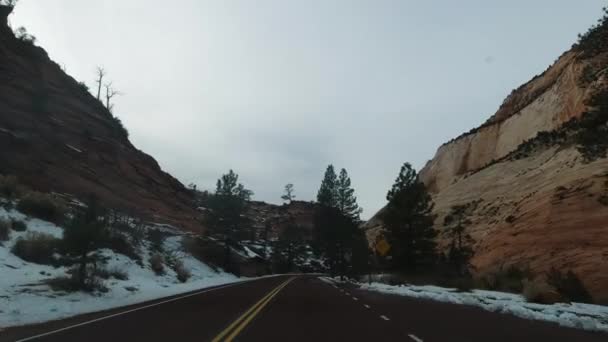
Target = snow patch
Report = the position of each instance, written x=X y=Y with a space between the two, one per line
x=574 y=315
x=26 y=299
x=73 y=148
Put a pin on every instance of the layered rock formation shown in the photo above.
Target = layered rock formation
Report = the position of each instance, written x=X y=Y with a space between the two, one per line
x=55 y=136
x=276 y=218
x=539 y=204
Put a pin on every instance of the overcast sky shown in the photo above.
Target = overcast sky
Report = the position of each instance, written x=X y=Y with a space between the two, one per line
x=278 y=89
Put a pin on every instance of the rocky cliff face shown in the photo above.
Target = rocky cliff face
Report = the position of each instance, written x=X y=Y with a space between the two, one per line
x=543 y=104
x=534 y=200
x=278 y=217
x=55 y=136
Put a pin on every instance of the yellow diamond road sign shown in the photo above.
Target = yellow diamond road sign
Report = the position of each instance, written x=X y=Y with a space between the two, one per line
x=382 y=247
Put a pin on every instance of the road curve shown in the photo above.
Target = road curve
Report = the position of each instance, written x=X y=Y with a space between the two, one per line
x=295 y=308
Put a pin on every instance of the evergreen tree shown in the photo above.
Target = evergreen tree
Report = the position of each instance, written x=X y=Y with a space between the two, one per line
x=327 y=195
x=460 y=251
x=225 y=219
x=338 y=235
x=83 y=234
x=288 y=248
x=409 y=222
x=345 y=197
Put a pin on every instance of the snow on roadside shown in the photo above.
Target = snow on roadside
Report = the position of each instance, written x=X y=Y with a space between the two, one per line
x=25 y=299
x=574 y=315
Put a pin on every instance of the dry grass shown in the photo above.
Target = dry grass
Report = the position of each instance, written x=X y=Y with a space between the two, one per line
x=183 y=273
x=10 y=187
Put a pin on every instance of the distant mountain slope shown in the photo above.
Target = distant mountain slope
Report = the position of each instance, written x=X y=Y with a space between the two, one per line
x=55 y=136
x=535 y=199
x=278 y=217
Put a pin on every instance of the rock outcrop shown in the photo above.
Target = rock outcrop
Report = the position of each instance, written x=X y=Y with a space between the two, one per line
x=55 y=136
x=276 y=218
x=534 y=201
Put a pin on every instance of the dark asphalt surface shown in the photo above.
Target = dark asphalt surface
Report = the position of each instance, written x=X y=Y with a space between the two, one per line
x=307 y=309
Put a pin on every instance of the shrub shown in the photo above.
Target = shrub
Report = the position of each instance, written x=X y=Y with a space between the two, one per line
x=115 y=273
x=183 y=273
x=119 y=127
x=157 y=264
x=206 y=251
x=72 y=282
x=18 y=226
x=42 y=206
x=36 y=247
x=83 y=86
x=5 y=230
x=9 y=187
x=593 y=128
x=539 y=292
x=593 y=42
x=136 y=231
x=569 y=286
x=22 y=34
x=63 y=283
x=587 y=76
x=119 y=243
x=156 y=238
x=462 y=283
x=509 y=279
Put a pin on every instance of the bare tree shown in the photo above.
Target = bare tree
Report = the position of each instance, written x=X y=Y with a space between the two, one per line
x=101 y=72
x=289 y=193
x=110 y=93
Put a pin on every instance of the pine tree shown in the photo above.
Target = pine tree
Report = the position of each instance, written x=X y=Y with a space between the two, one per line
x=288 y=248
x=225 y=219
x=409 y=222
x=84 y=233
x=327 y=195
x=345 y=197
x=460 y=251
x=338 y=236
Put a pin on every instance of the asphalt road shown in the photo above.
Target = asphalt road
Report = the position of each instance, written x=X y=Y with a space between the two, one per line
x=295 y=308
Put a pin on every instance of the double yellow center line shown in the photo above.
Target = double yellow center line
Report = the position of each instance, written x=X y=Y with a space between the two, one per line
x=237 y=326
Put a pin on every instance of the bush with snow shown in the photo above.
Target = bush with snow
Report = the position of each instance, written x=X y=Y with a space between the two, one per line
x=182 y=272
x=28 y=291
x=157 y=264
x=37 y=247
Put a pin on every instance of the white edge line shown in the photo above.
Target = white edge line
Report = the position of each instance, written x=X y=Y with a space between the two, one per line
x=128 y=311
x=366 y=306
x=415 y=338
x=383 y=317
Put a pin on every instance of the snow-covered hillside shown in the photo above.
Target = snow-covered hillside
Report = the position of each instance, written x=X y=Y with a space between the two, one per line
x=25 y=297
